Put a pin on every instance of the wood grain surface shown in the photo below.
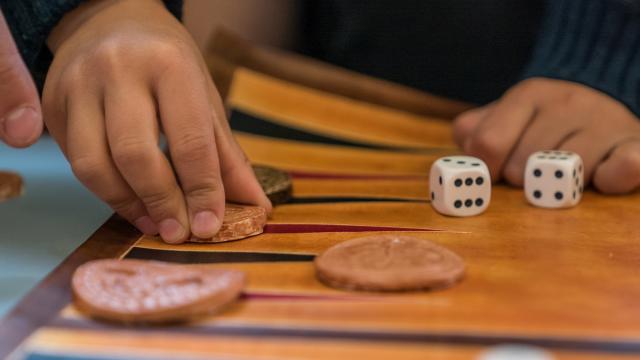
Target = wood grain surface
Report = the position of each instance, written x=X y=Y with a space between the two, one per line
x=53 y=293
x=565 y=280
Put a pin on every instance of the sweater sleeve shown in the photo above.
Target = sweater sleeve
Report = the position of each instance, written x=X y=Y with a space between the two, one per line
x=592 y=42
x=31 y=21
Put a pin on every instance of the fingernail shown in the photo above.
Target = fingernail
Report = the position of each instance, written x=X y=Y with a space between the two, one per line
x=146 y=225
x=205 y=224
x=171 y=231
x=19 y=125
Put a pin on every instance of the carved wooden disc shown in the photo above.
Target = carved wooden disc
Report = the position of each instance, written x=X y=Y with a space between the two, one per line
x=240 y=221
x=11 y=185
x=140 y=291
x=388 y=263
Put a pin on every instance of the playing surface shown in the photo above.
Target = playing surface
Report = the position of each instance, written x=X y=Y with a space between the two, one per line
x=564 y=280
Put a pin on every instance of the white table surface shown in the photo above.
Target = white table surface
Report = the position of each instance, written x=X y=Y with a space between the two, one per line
x=53 y=217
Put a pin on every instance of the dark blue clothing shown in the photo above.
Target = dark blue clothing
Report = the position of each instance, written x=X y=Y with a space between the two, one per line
x=592 y=42
x=470 y=50
x=31 y=21
x=467 y=50
x=476 y=50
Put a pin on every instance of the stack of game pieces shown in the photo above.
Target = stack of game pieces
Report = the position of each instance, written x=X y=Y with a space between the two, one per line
x=276 y=183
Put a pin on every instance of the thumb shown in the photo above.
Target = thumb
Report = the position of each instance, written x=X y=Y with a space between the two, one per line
x=20 y=114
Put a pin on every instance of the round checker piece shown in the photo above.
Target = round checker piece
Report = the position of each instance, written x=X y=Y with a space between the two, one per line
x=240 y=221
x=141 y=291
x=11 y=185
x=275 y=183
x=388 y=263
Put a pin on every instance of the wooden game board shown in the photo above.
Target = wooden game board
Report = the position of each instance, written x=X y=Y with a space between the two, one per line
x=565 y=280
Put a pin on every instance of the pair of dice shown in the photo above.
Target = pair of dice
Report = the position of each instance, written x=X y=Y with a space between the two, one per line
x=461 y=185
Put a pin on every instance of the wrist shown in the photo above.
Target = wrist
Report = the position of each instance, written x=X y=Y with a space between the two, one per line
x=75 y=19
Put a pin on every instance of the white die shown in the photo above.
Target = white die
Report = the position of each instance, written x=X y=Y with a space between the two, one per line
x=554 y=179
x=460 y=185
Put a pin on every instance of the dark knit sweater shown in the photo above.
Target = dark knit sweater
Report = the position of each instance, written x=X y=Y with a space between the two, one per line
x=31 y=21
x=472 y=51
x=593 y=42
x=475 y=50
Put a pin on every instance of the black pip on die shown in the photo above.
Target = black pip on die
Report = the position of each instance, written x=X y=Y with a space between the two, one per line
x=554 y=179
x=460 y=186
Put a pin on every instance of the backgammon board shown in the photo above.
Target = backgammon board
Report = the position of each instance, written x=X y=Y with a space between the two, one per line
x=567 y=281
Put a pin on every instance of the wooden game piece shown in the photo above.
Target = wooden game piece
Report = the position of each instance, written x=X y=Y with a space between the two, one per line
x=11 y=185
x=276 y=183
x=388 y=263
x=240 y=221
x=141 y=291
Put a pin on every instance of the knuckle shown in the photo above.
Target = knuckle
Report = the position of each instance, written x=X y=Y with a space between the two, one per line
x=113 y=54
x=193 y=146
x=158 y=201
x=237 y=168
x=462 y=128
x=204 y=190
x=88 y=168
x=170 y=55
x=91 y=170
x=462 y=121
x=577 y=97
x=577 y=100
x=108 y=55
x=73 y=76
x=486 y=144
x=132 y=152
x=524 y=88
x=125 y=206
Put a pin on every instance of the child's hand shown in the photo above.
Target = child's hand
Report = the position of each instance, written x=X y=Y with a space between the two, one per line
x=539 y=114
x=123 y=72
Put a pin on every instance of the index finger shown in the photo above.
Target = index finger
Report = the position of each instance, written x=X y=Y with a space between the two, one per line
x=186 y=117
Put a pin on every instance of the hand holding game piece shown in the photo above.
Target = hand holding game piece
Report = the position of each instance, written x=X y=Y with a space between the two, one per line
x=460 y=186
x=554 y=179
x=123 y=73
x=11 y=185
x=388 y=263
x=139 y=291
x=240 y=221
x=275 y=183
